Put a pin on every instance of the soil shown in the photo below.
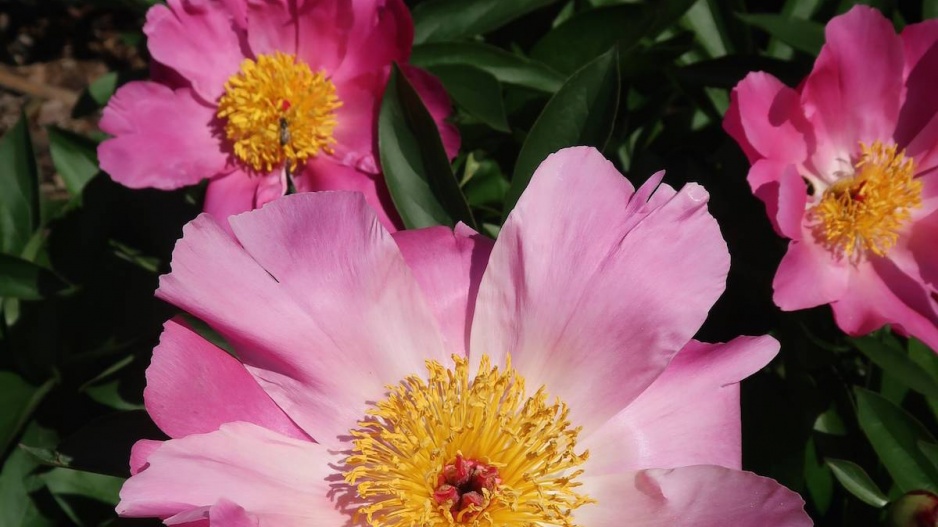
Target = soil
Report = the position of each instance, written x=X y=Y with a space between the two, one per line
x=50 y=52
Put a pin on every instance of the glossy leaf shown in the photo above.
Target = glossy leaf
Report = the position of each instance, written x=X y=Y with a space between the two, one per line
x=896 y=362
x=19 y=189
x=504 y=66
x=18 y=400
x=75 y=158
x=591 y=33
x=439 y=20
x=803 y=35
x=857 y=482
x=894 y=435
x=476 y=91
x=413 y=160
x=25 y=280
x=581 y=113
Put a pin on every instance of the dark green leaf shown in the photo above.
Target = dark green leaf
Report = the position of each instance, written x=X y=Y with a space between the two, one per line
x=581 y=113
x=894 y=435
x=857 y=482
x=803 y=35
x=476 y=91
x=591 y=33
x=75 y=158
x=19 y=189
x=929 y=9
x=896 y=362
x=22 y=279
x=17 y=482
x=47 y=456
x=95 y=486
x=414 y=162
x=930 y=450
x=507 y=68
x=439 y=20
x=18 y=400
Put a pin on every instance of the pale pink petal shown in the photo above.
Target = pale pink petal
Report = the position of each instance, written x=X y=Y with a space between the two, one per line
x=230 y=194
x=578 y=288
x=322 y=173
x=881 y=293
x=268 y=475
x=733 y=125
x=771 y=119
x=437 y=101
x=198 y=39
x=809 y=276
x=316 y=300
x=225 y=513
x=696 y=496
x=689 y=416
x=917 y=129
x=194 y=387
x=140 y=453
x=448 y=266
x=162 y=138
x=841 y=98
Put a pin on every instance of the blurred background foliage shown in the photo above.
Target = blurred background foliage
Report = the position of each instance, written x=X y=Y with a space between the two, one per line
x=850 y=423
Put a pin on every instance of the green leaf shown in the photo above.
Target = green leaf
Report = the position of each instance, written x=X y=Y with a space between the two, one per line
x=75 y=158
x=476 y=91
x=897 y=363
x=894 y=435
x=581 y=113
x=19 y=189
x=930 y=450
x=17 y=482
x=413 y=160
x=504 y=66
x=18 y=400
x=857 y=482
x=25 y=280
x=803 y=35
x=929 y=9
x=95 y=486
x=439 y=20
x=591 y=33
x=47 y=456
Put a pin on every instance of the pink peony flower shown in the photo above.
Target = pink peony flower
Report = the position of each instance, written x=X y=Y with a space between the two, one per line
x=845 y=165
x=435 y=378
x=246 y=88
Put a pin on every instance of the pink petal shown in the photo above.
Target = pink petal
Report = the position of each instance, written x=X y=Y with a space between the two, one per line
x=702 y=496
x=382 y=32
x=918 y=119
x=356 y=131
x=448 y=267
x=230 y=194
x=268 y=475
x=592 y=295
x=771 y=119
x=198 y=39
x=322 y=173
x=140 y=453
x=841 y=98
x=689 y=416
x=881 y=293
x=225 y=513
x=193 y=387
x=784 y=193
x=315 y=299
x=316 y=31
x=270 y=187
x=163 y=138
x=434 y=96
x=809 y=276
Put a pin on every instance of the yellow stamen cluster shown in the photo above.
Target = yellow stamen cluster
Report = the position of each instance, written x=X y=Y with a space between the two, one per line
x=866 y=211
x=277 y=111
x=400 y=450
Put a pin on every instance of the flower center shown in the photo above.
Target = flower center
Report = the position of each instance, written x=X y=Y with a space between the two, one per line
x=458 y=451
x=277 y=111
x=865 y=212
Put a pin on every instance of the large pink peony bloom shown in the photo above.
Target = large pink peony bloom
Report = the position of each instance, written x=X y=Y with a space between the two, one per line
x=247 y=88
x=845 y=165
x=373 y=384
